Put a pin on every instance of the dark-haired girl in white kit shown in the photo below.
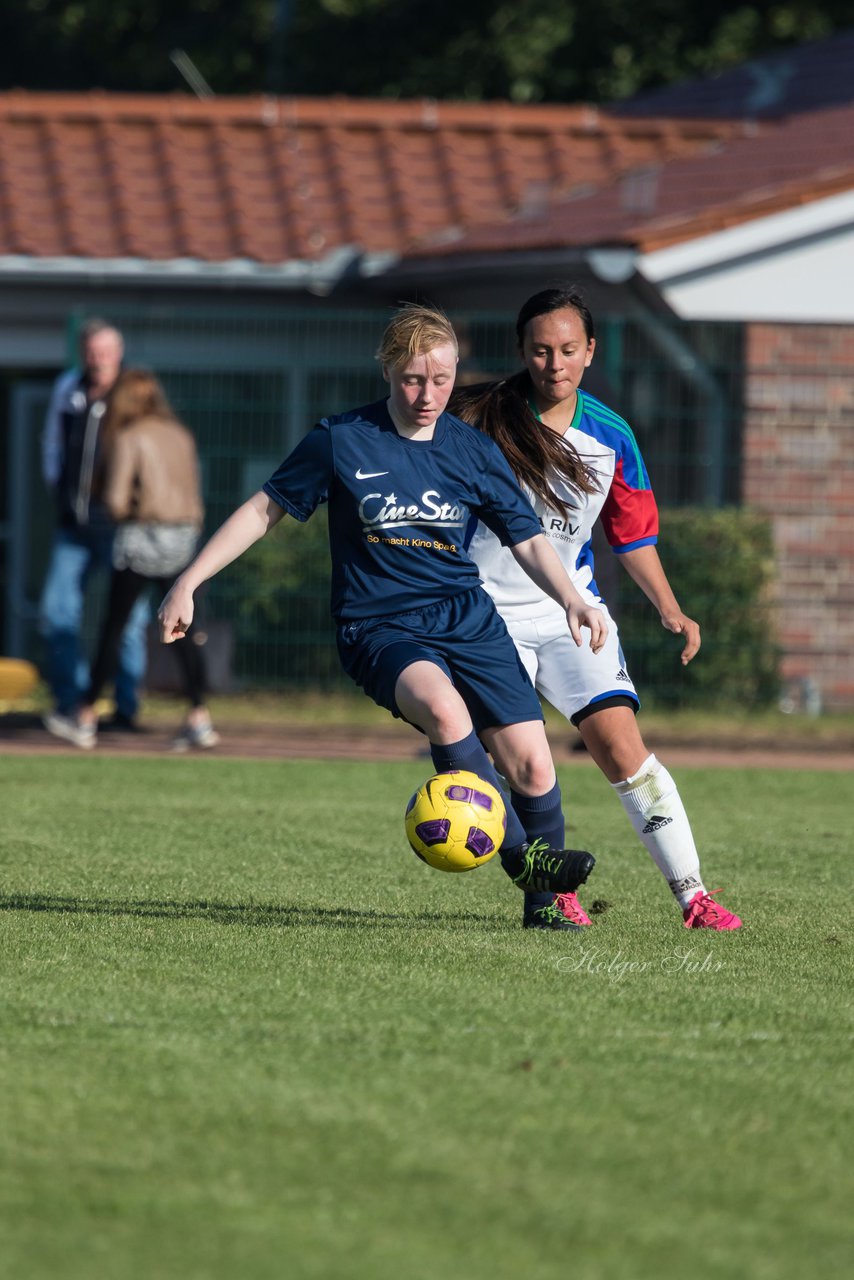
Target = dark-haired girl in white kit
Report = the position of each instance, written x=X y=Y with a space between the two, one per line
x=579 y=462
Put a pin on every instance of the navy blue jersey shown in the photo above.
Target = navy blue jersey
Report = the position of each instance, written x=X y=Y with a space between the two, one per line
x=399 y=509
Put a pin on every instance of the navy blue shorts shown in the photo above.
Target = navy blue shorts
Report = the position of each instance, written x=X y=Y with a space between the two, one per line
x=463 y=635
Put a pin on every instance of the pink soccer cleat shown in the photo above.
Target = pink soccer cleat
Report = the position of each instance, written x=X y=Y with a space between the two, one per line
x=563 y=912
x=571 y=909
x=702 y=912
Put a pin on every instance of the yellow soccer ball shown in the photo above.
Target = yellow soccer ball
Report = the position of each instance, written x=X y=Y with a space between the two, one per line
x=455 y=821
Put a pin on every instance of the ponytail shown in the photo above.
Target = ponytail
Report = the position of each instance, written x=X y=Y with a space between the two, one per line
x=501 y=410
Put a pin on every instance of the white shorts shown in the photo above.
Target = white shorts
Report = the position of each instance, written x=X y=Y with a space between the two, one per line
x=572 y=678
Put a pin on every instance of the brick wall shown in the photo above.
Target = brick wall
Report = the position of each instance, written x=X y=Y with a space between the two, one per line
x=798 y=467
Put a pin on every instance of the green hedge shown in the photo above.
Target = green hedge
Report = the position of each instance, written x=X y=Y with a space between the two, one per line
x=721 y=567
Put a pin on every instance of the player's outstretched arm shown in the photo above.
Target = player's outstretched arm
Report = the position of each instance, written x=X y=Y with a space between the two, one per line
x=542 y=564
x=645 y=568
x=242 y=528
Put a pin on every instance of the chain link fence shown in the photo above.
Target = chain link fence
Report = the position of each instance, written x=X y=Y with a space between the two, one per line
x=250 y=385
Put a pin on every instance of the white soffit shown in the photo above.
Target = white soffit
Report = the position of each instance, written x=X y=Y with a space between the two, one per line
x=245 y=272
x=790 y=266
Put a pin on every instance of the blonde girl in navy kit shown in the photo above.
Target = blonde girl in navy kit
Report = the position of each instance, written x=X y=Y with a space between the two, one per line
x=404 y=482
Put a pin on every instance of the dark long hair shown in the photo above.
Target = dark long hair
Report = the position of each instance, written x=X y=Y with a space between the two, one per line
x=502 y=411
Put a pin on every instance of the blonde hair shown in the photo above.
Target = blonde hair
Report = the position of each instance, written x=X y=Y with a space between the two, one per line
x=413 y=331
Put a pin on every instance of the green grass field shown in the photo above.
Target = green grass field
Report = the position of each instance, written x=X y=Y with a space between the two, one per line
x=246 y=1034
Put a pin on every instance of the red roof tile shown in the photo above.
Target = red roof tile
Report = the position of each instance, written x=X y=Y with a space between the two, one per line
x=271 y=180
x=775 y=167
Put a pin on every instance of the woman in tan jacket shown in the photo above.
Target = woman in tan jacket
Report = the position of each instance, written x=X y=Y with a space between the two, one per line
x=150 y=484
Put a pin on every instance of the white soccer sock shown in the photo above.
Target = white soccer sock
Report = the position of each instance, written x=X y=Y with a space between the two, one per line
x=656 y=812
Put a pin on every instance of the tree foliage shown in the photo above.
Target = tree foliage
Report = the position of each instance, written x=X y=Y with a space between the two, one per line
x=125 y=46
x=524 y=50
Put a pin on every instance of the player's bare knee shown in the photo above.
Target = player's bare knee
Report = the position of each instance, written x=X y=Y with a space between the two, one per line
x=448 y=716
x=613 y=740
x=531 y=775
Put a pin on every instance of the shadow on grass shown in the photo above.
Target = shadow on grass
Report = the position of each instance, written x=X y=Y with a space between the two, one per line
x=239 y=913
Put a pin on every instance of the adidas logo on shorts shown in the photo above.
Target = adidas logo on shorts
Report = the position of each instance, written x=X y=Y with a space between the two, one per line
x=655 y=824
x=623 y=674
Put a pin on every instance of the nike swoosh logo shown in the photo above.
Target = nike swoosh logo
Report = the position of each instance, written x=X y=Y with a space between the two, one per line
x=369 y=475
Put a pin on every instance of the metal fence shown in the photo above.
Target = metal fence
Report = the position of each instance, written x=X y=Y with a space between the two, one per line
x=251 y=384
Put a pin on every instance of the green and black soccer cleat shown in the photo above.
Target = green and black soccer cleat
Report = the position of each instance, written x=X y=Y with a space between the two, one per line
x=543 y=869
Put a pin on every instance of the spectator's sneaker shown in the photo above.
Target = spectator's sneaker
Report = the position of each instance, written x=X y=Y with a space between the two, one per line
x=548 y=870
x=199 y=737
x=563 y=912
x=71 y=730
x=702 y=912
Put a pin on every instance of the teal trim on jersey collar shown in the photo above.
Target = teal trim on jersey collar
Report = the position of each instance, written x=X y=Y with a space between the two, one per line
x=606 y=415
x=575 y=417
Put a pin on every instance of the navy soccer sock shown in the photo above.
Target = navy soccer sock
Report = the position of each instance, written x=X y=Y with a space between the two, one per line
x=469 y=753
x=542 y=818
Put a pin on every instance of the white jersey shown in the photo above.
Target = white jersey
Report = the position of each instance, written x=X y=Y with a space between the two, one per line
x=624 y=502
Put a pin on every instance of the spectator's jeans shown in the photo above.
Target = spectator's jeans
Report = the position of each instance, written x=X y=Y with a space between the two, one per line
x=76 y=553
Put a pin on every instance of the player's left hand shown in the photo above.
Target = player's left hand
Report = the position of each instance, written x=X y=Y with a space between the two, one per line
x=681 y=624
x=584 y=615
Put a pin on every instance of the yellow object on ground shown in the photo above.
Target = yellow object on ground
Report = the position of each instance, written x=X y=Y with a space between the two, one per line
x=18 y=678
